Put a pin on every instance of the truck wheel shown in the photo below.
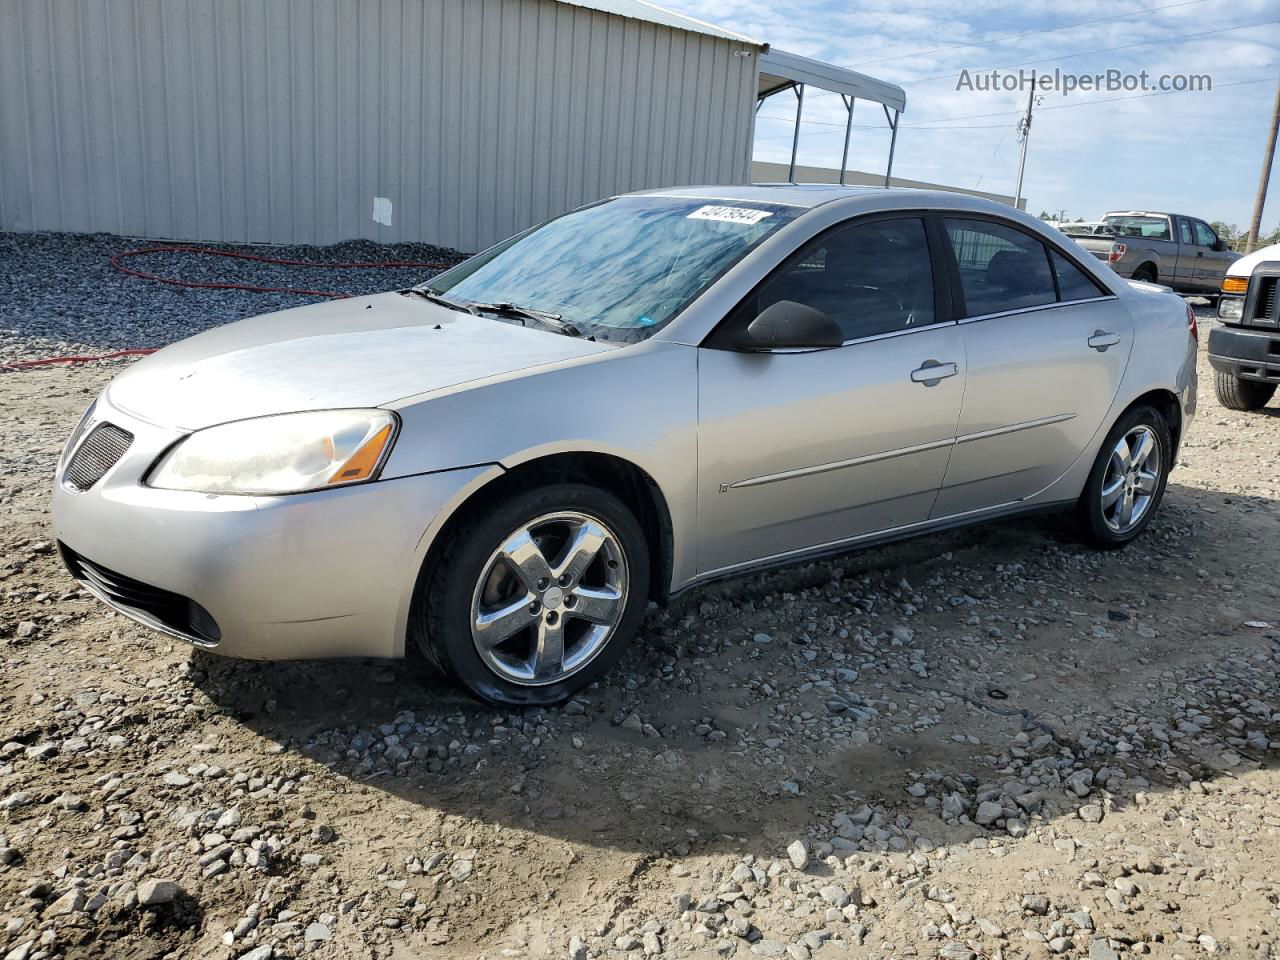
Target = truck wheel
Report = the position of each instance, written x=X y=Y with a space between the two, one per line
x=1236 y=394
x=1146 y=273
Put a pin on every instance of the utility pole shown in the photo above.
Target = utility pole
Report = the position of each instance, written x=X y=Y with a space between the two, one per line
x=1024 y=132
x=1256 y=226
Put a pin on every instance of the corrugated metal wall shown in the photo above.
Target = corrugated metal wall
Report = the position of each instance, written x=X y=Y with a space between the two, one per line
x=281 y=120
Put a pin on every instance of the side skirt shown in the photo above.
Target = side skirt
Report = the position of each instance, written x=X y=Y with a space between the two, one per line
x=866 y=541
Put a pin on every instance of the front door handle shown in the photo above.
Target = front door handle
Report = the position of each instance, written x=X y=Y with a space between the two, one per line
x=931 y=372
x=1101 y=339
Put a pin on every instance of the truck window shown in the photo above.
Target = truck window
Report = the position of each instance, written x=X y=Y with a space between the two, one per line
x=1205 y=237
x=1184 y=230
x=1148 y=228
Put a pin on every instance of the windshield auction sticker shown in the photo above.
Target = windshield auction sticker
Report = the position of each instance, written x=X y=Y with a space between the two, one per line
x=730 y=214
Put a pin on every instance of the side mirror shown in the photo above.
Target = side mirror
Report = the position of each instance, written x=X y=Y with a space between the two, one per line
x=790 y=325
x=1219 y=245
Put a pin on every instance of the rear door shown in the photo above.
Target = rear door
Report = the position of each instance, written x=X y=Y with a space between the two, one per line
x=802 y=449
x=1045 y=348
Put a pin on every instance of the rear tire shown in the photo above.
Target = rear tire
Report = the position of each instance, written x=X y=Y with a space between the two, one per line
x=1236 y=394
x=1146 y=273
x=536 y=596
x=1127 y=481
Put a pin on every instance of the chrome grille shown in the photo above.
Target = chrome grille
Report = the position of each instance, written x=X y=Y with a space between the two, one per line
x=99 y=452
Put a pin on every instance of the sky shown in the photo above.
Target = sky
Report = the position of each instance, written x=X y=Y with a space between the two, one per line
x=1198 y=153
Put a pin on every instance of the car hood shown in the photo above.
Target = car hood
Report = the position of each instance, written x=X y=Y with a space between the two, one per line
x=1244 y=266
x=357 y=352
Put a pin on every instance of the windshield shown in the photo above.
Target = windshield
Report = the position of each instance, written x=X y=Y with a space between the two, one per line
x=1152 y=228
x=619 y=270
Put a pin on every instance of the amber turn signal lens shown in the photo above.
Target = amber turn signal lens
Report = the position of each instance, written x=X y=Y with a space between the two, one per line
x=1235 y=284
x=365 y=460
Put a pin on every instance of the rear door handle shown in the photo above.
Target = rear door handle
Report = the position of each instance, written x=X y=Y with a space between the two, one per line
x=1101 y=339
x=931 y=372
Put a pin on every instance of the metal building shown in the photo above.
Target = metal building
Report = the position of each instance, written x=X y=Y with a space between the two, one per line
x=455 y=122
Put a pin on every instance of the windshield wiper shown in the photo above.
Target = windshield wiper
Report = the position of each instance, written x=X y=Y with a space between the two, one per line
x=551 y=320
x=428 y=294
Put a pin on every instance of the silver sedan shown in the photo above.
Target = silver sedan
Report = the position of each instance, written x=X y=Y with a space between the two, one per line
x=502 y=467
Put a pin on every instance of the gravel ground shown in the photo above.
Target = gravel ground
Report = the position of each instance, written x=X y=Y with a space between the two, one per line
x=59 y=292
x=992 y=743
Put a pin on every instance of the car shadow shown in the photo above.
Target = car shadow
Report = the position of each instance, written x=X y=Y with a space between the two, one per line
x=731 y=726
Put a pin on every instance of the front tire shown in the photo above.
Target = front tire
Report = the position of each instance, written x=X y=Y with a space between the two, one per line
x=1236 y=394
x=535 y=597
x=1127 y=481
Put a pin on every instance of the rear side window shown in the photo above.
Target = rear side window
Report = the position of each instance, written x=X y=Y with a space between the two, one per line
x=1184 y=230
x=870 y=278
x=1073 y=283
x=1001 y=269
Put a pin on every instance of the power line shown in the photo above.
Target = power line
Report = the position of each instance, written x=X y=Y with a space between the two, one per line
x=1085 y=53
x=1029 y=33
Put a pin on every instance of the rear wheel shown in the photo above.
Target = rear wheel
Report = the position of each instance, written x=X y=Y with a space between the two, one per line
x=1236 y=394
x=1128 y=479
x=1146 y=273
x=535 y=597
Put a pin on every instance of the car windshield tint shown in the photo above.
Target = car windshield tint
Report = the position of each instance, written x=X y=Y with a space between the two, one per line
x=618 y=270
x=1150 y=228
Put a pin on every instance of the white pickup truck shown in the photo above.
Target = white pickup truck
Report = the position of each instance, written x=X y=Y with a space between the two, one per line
x=1244 y=348
x=1169 y=248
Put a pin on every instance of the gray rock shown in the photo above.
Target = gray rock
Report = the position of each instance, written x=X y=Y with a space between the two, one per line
x=317 y=933
x=264 y=952
x=154 y=893
x=769 y=948
x=1091 y=813
x=798 y=853
x=577 y=949
x=988 y=813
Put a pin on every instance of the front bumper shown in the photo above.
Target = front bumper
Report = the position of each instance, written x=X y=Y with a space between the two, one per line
x=324 y=574
x=1245 y=353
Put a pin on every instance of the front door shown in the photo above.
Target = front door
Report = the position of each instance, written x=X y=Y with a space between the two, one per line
x=1046 y=349
x=798 y=450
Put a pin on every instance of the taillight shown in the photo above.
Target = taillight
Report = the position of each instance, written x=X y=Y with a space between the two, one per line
x=1192 y=327
x=1117 y=251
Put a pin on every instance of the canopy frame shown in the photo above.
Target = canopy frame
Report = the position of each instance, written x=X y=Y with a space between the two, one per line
x=781 y=71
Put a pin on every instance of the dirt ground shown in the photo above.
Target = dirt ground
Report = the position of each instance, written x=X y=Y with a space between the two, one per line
x=992 y=743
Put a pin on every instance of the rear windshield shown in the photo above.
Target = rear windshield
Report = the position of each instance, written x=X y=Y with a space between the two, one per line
x=1150 y=228
x=619 y=270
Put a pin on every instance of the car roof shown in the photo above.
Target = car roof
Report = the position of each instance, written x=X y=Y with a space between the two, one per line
x=811 y=195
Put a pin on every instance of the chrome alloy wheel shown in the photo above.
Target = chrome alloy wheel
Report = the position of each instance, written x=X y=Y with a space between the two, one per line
x=1132 y=478
x=549 y=598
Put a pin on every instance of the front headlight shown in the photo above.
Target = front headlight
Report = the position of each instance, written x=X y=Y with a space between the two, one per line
x=1230 y=308
x=289 y=453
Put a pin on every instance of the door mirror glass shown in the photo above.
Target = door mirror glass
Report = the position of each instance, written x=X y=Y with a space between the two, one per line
x=790 y=325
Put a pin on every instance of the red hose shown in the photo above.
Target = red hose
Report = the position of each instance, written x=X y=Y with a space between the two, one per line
x=205 y=285
x=46 y=361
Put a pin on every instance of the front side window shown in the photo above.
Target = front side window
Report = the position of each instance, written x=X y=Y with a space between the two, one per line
x=1205 y=237
x=619 y=270
x=871 y=277
x=1001 y=269
x=1149 y=228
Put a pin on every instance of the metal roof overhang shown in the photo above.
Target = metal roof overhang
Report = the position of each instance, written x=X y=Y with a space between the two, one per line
x=780 y=71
